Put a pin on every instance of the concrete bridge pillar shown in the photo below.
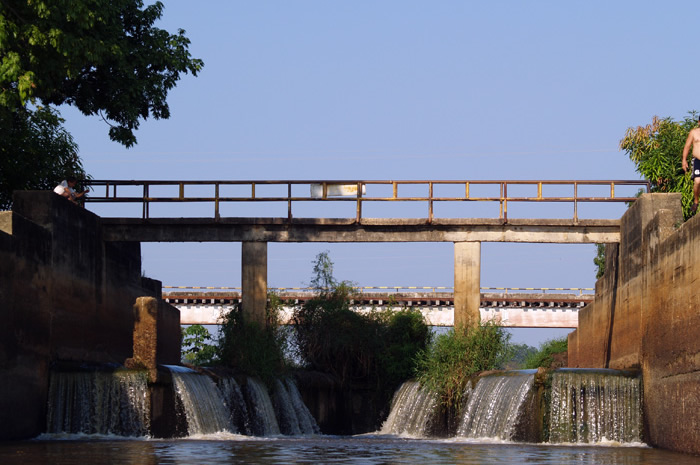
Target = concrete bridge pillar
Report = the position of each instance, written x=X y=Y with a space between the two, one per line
x=254 y=281
x=467 y=295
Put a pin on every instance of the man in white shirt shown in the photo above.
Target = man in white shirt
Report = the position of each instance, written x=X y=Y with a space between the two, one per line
x=67 y=189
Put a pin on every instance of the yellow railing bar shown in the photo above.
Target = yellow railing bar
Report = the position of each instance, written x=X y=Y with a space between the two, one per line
x=502 y=197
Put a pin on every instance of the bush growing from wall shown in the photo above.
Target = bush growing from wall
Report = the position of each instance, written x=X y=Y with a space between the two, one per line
x=377 y=348
x=599 y=260
x=251 y=349
x=406 y=334
x=333 y=339
x=446 y=366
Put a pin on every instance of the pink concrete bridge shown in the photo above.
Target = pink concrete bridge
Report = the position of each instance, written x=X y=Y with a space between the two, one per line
x=513 y=307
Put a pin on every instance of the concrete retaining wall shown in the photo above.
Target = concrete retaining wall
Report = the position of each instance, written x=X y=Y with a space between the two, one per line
x=646 y=315
x=65 y=295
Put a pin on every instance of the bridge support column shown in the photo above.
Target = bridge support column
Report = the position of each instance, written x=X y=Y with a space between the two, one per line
x=254 y=281
x=467 y=296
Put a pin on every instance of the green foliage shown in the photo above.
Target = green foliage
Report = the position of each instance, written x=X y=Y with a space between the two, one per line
x=519 y=353
x=334 y=339
x=375 y=347
x=445 y=368
x=656 y=150
x=323 y=279
x=196 y=347
x=105 y=57
x=599 y=261
x=250 y=348
x=405 y=334
x=544 y=355
x=35 y=153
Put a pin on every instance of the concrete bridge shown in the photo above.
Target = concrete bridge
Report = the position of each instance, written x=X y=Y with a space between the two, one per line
x=514 y=307
x=440 y=211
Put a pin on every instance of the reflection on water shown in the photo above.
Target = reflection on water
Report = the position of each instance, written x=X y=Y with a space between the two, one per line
x=322 y=449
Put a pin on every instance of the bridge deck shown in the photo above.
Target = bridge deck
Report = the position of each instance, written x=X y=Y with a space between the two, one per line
x=365 y=230
x=437 y=210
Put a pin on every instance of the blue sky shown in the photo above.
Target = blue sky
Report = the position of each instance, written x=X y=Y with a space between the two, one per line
x=405 y=90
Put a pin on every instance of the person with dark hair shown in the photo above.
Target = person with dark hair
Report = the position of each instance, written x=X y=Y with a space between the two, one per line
x=694 y=140
x=67 y=189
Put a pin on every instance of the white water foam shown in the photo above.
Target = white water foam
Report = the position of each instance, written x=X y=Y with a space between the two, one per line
x=494 y=406
x=412 y=409
x=261 y=410
x=307 y=422
x=204 y=407
x=98 y=402
x=595 y=406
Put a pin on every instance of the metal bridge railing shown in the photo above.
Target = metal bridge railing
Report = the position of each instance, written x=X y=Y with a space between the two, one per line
x=400 y=289
x=360 y=192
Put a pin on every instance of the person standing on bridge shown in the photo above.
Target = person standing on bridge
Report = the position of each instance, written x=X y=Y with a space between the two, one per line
x=67 y=189
x=694 y=140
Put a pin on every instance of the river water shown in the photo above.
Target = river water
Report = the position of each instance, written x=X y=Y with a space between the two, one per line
x=364 y=449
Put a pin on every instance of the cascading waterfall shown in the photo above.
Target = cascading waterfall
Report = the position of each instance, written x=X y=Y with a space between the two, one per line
x=307 y=422
x=585 y=406
x=204 y=407
x=595 y=405
x=301 y=415
x=412 y=410
x=286 y=415
x=494 y=406
x=98 y=402
x=262 y=413
x=233 y=398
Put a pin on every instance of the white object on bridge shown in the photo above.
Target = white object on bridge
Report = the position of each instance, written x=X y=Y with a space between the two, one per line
x=335 y=190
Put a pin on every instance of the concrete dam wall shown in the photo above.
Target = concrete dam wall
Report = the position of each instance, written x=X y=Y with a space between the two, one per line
x=646 y=315
x=67 y=297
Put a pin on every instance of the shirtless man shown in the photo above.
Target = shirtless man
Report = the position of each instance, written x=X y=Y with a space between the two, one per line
x=694 y=140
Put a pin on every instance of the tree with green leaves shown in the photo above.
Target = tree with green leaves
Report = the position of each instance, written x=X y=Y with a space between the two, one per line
x=323 y=279
x=36 y=152
x=105 y=57
x=198 y=346
x=656 y=150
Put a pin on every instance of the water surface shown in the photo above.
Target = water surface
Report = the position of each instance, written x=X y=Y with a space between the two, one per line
x=368 y=449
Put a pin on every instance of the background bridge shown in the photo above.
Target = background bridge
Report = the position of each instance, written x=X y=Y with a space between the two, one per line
x=514 y=307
